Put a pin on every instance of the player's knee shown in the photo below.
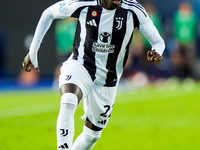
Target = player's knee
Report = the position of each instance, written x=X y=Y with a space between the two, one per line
x=92 y=136
x=69 y=98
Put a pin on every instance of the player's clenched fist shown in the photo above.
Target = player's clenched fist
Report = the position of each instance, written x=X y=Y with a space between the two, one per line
x=154 y=57
x=27 y=65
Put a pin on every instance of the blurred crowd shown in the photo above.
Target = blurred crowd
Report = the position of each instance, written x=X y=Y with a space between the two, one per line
x=181 y=58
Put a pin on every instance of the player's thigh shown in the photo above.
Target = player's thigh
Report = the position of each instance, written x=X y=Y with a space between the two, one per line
x=99 y=105
x=74 y=73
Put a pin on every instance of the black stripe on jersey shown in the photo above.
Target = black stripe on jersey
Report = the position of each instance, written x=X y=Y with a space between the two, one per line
x=76 y=42
x=135 y=4
x=135 y=19
x=91 y=37
x=127 y=51
x=77 y=38
x=117 y=40
x=77 y=12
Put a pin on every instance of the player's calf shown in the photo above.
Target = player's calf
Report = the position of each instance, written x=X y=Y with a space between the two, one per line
x=86 y=139
x=65 y=122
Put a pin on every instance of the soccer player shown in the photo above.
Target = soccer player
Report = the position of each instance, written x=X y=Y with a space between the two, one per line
x=92 y=73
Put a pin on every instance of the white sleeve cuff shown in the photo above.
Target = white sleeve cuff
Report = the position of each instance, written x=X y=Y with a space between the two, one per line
x=33 y=54
x=152 y=35
x=159 y=46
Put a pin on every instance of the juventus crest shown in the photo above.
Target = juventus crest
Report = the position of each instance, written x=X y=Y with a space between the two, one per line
x=119 y=20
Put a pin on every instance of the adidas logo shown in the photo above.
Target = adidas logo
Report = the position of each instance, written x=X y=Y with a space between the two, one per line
x=92 y=23
x=102 y=122
x=64 y=146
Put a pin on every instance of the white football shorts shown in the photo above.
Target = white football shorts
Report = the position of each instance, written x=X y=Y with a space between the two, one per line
x=98 y=100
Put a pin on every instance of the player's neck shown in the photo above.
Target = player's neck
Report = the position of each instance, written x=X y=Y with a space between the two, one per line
x=109 y=4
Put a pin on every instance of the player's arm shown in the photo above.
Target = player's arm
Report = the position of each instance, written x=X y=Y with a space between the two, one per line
x=31 y=60
x=157 y=43
x=51 y=13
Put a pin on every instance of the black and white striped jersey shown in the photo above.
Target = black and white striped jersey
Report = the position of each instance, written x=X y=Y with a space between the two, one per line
x=102 y=37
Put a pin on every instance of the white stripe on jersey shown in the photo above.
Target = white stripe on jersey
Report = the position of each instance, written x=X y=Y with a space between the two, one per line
x=101 y=59
x=82 y=34
x=129 y=31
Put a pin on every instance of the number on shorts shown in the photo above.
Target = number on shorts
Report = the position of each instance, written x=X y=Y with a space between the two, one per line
x=105 y=113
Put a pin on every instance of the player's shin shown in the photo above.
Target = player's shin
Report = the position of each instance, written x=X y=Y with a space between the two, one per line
x=86 y=140
x=65 y=121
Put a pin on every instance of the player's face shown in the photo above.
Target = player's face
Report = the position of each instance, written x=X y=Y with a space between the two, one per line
x=110 y=4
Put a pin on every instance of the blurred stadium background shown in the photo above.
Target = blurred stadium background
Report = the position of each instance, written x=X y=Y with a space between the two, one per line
x=157 y=106
x=18 y=22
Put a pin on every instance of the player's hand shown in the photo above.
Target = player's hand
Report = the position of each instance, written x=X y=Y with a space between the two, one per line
x=27 y=65
x=154 y=57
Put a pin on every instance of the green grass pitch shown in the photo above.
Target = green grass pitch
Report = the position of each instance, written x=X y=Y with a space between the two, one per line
x=148 y=119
